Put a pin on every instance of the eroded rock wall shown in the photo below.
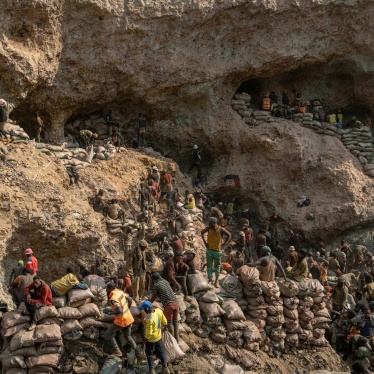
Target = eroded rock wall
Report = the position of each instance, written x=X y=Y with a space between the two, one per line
x=180 y=62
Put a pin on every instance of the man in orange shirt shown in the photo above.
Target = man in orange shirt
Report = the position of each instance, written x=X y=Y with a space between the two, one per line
x=123 y=320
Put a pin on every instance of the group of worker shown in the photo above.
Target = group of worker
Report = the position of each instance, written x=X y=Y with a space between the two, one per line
x=296 y=104
x=29 y=291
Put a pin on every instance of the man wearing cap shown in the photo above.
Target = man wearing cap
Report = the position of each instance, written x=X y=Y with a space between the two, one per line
x=123 y=319
x=175 y=272
x=154 y=320
x=196 y=159
x=161 y=288
x=339 y=295
x=299 y=271
x=139 y=270
x=213 y=247
x=38 y=294
x=267 y=265
x=32 y=262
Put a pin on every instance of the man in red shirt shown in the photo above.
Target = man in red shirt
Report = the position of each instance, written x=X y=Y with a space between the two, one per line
x=166 y=184
x=38 y=294
x=32 y=262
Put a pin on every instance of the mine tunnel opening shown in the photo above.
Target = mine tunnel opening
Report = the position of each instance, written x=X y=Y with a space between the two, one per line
x=336 y=85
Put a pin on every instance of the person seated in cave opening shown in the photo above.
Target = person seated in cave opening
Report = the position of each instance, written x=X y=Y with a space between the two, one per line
x=39 y=126
x=110 y=122
x=339 y=118
x=273 y=97
x=141 y=130
x=331 y=118
x=285 y=99
x=266 y=103
x=354 y=123
x=367 y=121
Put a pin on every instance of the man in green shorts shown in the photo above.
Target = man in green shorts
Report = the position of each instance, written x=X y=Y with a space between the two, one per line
x=214 y=247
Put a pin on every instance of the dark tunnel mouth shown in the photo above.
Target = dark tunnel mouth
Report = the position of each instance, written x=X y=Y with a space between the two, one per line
x=335 y=84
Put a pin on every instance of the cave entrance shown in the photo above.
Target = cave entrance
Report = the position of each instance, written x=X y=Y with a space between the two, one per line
x=336 y=85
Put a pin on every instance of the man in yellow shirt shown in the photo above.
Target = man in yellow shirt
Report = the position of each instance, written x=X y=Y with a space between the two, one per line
x=213 y=248
x=63 y=285
x=154 y=320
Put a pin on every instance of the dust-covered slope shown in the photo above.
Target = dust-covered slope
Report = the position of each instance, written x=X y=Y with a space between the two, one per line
x=40 y=210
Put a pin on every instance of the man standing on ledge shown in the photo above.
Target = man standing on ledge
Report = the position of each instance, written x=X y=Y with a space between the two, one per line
x=214 y=247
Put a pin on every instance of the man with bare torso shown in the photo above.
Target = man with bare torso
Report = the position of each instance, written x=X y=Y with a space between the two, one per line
x=267 y=265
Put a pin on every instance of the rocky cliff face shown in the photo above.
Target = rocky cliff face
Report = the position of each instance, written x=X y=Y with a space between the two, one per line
x=181 y=62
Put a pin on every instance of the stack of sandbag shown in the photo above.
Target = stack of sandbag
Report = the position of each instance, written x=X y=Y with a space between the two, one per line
x=275 y=317
x=192 y=314
x=307 y=120
x=97 y=286
x=185 y=223
x=210 y=304
x=79 y=153
x=100 y=128
x=360 y=143
x=39 y=350
x=114 y=226
x=198 y=285
x=231 y=288
x=88 y=321
x=298 y=118
x=101 y=153
x=321 y=315
x=13 y=322
x=262 y=116
x=16 y=133
x=328 y=129
x=291 y=324
x=79 y=164
x=241 y=104
x=240 y=332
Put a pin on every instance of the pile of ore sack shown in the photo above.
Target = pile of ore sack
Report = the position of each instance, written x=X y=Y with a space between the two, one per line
x=245 y=314
x=249 y=314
